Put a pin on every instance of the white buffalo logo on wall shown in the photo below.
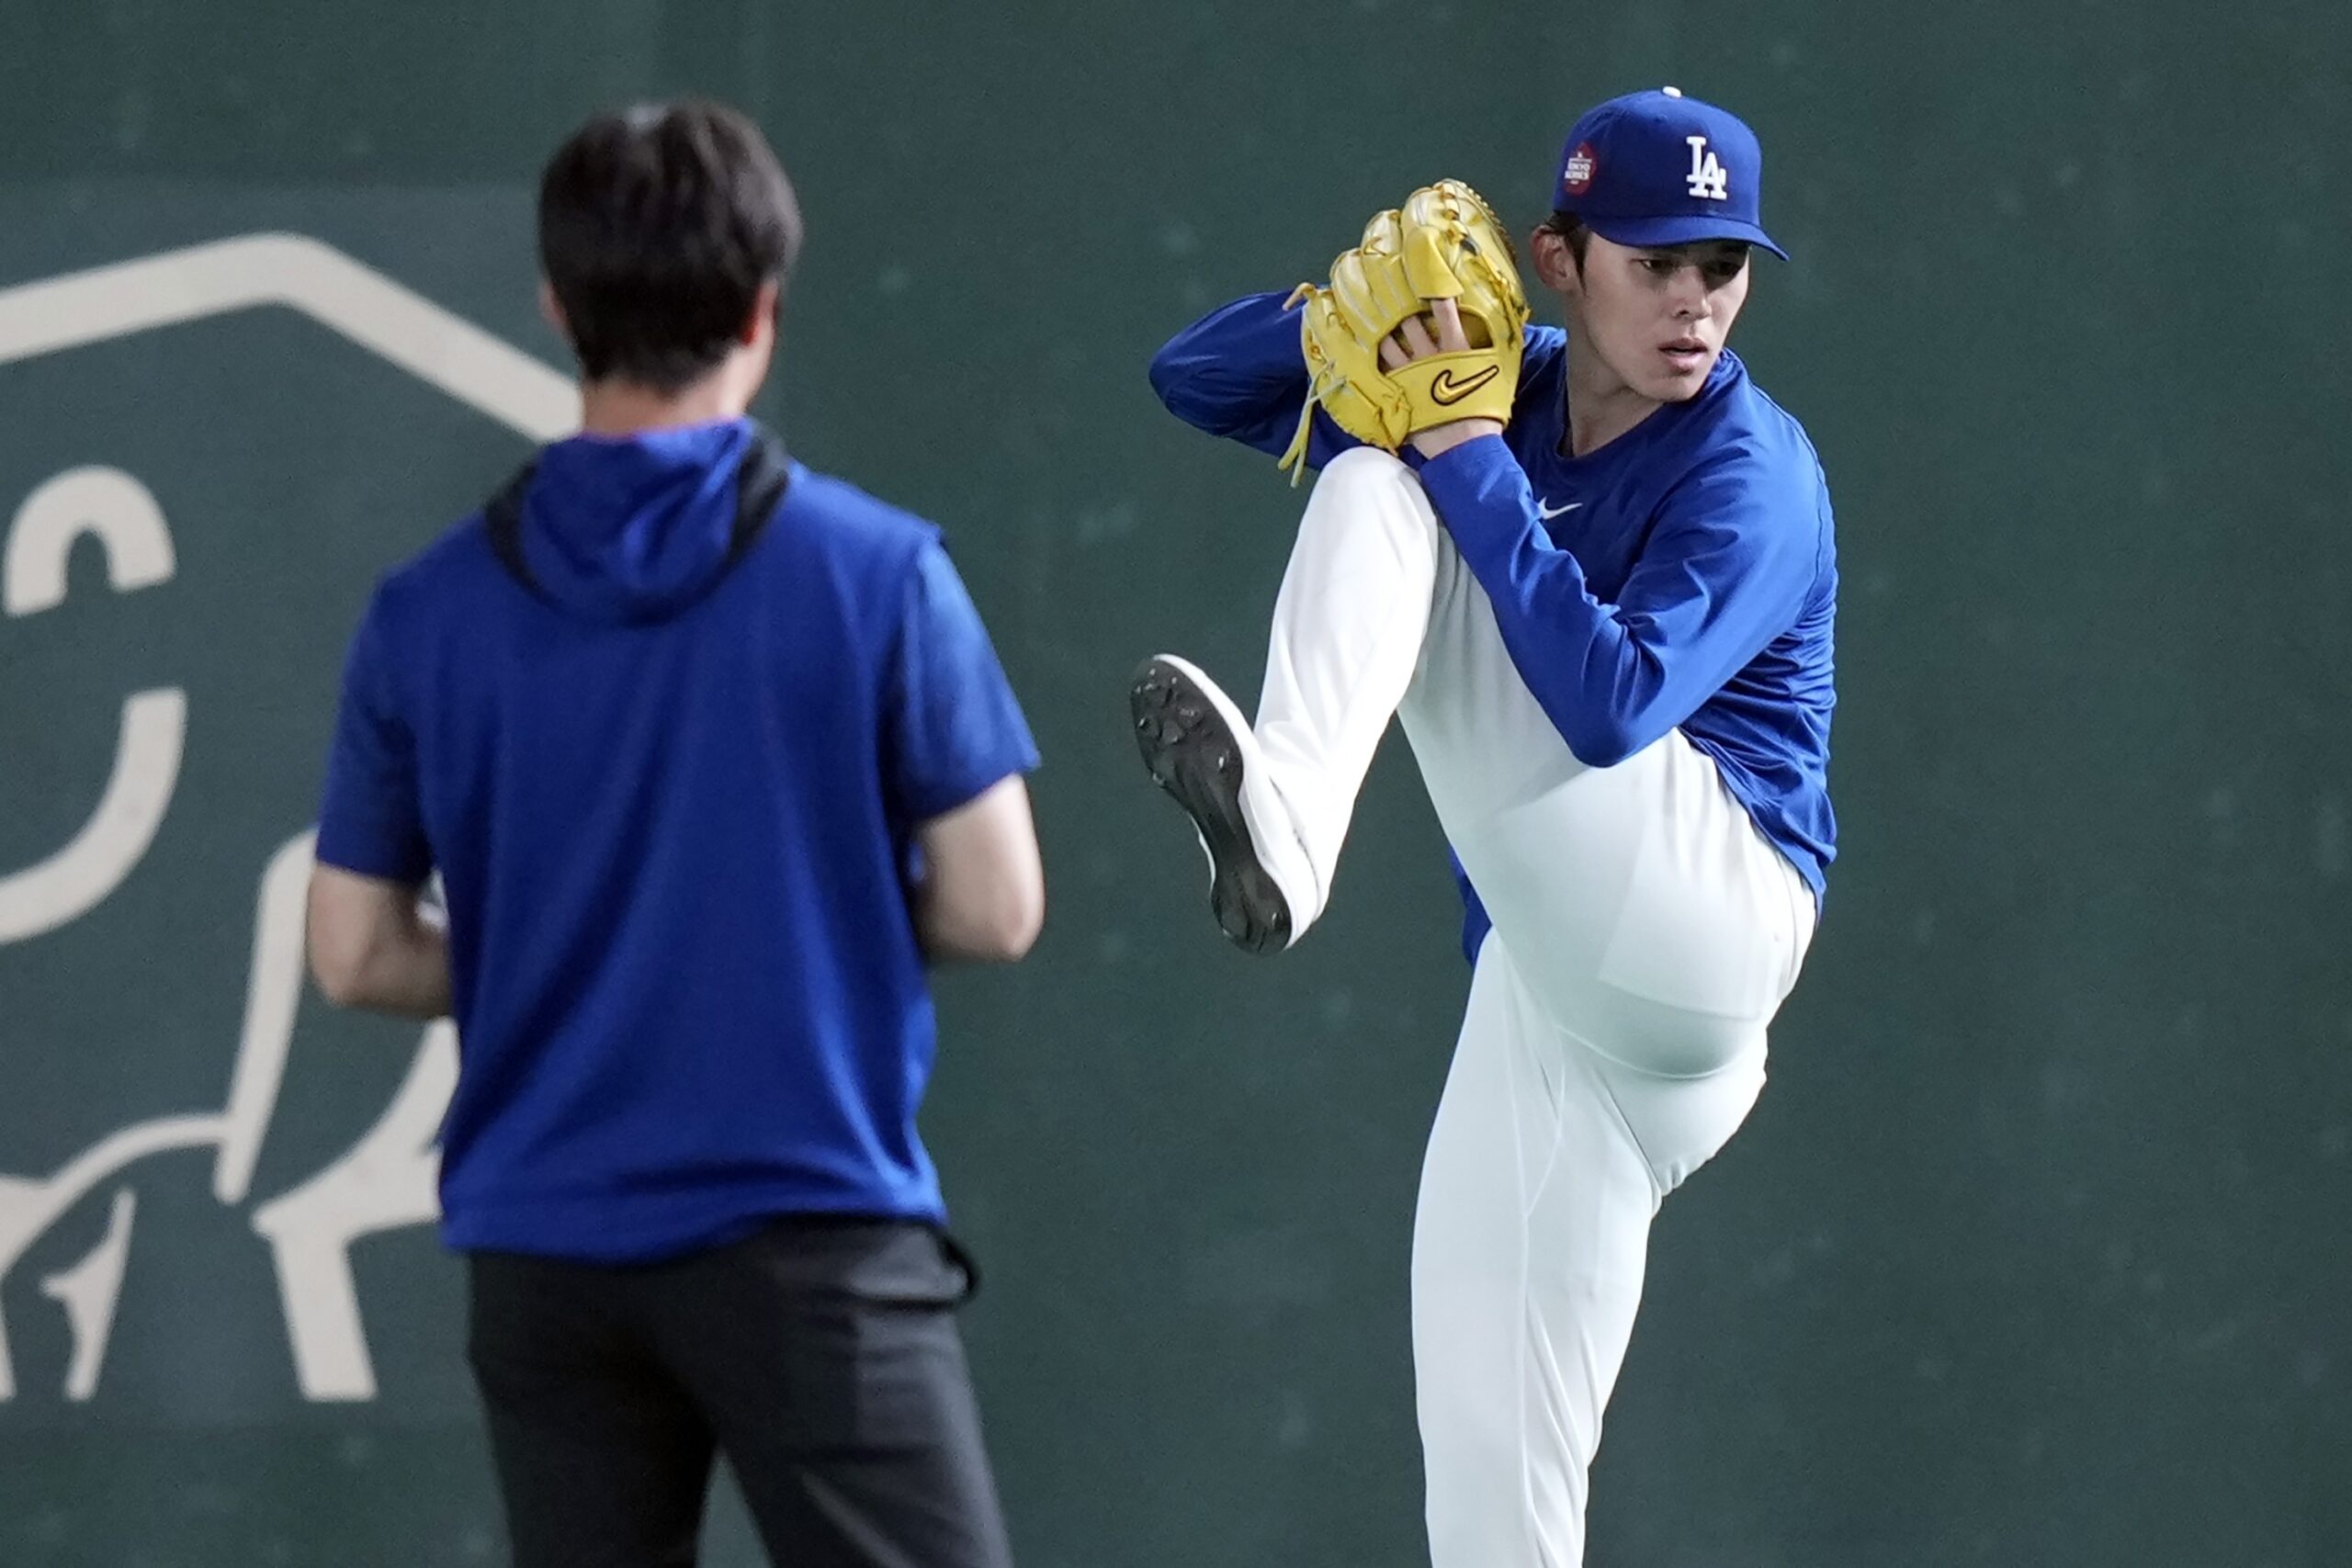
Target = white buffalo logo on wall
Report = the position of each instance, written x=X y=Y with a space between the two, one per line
x=386 y=1180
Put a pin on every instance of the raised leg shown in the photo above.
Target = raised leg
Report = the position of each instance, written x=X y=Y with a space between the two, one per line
x=1271 y=801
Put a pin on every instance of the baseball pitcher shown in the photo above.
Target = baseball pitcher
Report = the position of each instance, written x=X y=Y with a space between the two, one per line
x=1592 y=573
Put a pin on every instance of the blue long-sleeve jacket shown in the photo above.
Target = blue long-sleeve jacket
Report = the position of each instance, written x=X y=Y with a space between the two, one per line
x=1683 y=576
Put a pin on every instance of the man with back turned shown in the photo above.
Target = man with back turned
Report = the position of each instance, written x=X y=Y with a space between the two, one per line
x=712 y=756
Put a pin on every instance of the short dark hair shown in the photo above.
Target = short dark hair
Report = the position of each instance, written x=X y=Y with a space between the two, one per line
x=1571 y=229
x=657 y=226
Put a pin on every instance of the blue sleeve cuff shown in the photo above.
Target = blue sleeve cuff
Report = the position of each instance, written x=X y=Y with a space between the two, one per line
x=937 y=797
x=955 y=727
x=370 y=820
x=353 y=848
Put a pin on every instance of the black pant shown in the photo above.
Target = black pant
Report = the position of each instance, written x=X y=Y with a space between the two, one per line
x=819 y=1356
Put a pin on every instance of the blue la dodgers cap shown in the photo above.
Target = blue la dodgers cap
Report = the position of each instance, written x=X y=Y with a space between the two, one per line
x=1657 y=168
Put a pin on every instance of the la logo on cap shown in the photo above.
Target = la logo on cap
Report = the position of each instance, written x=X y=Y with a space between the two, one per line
x=1576 y=178
x=1708 y=177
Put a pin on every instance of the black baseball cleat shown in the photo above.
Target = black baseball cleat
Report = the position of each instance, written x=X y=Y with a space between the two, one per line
x=1200 y=750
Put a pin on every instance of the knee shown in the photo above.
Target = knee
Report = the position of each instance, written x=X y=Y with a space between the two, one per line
x=1367 y=471
x=1679 y=1123
x=1365 y=486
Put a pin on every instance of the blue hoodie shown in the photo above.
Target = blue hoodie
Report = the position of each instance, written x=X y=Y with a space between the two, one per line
x=1682 y=576
x=667 y=739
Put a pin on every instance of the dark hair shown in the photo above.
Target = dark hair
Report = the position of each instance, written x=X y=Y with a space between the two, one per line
x=657 y=227
x=1571 y=229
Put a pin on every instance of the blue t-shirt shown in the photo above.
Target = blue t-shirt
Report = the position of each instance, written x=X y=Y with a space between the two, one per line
x=671 y=780
x=1682 y=576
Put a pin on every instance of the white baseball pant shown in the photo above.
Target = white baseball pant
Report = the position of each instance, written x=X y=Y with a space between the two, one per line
x=1645 y=933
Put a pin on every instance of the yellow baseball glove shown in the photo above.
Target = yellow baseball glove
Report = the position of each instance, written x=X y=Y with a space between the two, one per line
x=1444 y=244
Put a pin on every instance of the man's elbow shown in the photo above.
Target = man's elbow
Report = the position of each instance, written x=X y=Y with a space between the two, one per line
x=1013 y=926
x=339 y=969
x=338 y=938
x=1168 y=377
x=989 y=920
